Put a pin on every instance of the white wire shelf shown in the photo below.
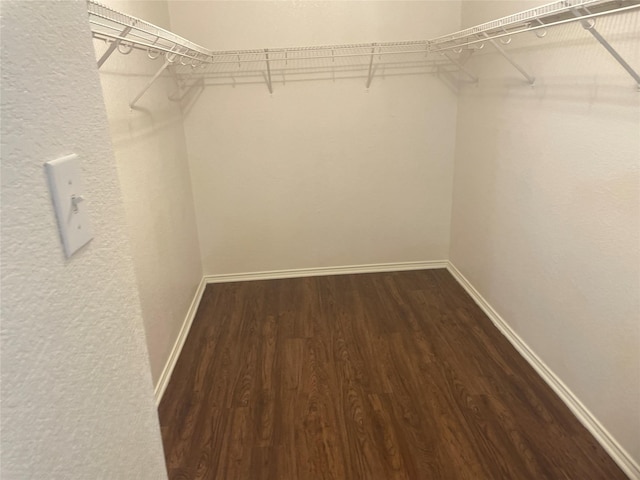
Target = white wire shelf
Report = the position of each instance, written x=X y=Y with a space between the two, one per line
x=125 y=33
x=109 y=24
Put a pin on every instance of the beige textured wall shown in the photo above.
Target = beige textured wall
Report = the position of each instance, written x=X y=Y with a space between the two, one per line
x=322 y=172
x=76 y=393
x=151 y=157
x=546 y=206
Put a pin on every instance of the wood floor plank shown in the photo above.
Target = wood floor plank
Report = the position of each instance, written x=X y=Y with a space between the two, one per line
x=374 y=376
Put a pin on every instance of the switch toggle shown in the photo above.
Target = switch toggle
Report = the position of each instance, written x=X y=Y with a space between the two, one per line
x=66 y=187
x=75 y=200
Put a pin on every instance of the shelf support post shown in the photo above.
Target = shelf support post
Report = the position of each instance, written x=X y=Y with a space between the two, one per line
x=590 y=27
x=132 y=103
x=113 y=46
x=462 y=68
x=531 y=79
x=266 y=56
x=370 y=75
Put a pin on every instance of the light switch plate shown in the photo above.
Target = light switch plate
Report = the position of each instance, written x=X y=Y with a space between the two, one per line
x=67 y=189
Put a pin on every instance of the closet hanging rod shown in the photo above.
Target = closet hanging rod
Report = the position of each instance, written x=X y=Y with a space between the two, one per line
x=146 y=36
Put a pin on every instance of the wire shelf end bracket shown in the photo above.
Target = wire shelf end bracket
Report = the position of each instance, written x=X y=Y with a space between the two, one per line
x=115 y=44
x=590 y=27
x=530 y=78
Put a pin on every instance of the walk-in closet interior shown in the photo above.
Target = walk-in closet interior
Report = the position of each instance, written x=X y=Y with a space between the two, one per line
x=330 y=239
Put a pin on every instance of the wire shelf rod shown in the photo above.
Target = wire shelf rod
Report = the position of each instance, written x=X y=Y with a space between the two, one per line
x=190 y=50
x=533 y=28
x=129 y=41
x=260 y=56
x=96 y=9
x=553 y=8
x=212 y=58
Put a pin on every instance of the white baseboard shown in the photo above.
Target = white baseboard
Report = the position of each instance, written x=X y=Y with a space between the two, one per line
x=323 y=271
x=165 y=376
x=613 y=448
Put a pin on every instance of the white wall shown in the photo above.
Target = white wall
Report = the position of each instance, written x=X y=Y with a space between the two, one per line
x=77 y=399
x=322 y=172
x=546 y=205
x=151 y=157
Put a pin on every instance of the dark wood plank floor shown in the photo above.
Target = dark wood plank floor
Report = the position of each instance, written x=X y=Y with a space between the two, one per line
x=377 y=376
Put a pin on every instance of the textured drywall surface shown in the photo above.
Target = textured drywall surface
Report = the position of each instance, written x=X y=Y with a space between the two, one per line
x=76 y=392
x=151 y=157
x=546 y=205
x=322 y=172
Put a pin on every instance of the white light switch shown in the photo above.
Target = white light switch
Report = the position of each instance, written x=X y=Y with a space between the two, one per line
x=67 y=191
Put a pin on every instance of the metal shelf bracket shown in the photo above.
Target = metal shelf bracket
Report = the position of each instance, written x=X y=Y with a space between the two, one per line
x=266 y=57
x=115 y=44
x=370 y=74
x=133 y=102
x=530 y=78
x=591 y=28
